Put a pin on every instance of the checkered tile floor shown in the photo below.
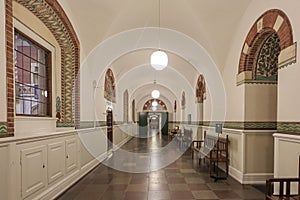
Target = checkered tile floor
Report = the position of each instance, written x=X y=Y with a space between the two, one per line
x=183 y=179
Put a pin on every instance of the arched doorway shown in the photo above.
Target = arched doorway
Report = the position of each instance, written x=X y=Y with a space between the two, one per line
x=109 y=128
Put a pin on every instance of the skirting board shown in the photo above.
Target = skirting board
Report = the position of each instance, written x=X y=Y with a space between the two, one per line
x=249 y=178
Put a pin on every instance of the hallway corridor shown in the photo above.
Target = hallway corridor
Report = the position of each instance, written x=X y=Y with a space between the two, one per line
x=183 y=179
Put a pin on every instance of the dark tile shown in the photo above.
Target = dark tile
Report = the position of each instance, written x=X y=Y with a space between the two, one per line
x=181 y=195
x=136 y=195
x=117 y=187
x=113 y=195
x=229 y=194
x=176 y=180
x=194 y=187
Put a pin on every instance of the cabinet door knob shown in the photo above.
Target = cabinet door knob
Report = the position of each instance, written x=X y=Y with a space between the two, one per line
x=43 y=165
x=67 y=156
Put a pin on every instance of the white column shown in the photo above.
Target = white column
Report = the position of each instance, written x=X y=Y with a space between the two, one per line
x=199 y=112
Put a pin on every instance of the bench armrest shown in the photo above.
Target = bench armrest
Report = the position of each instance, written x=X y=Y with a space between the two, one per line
x=282 y=182
x=198 y=143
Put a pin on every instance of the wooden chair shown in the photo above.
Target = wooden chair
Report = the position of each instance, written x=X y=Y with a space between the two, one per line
x=284 y=194
x=215 y=150
x=173 y=132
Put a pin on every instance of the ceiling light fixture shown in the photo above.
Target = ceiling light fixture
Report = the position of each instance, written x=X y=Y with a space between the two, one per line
x=159 y=59
x=154 y=103
x=155 y=93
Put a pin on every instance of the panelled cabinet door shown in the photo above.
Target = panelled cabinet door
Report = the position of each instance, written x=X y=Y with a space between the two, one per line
x=71 y=155
x=33 y=169
x=56 y=161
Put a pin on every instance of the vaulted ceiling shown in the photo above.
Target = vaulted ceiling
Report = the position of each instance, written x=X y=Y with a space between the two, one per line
x=210 y=23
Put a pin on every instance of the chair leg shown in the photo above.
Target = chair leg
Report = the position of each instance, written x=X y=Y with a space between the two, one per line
x=227 y=169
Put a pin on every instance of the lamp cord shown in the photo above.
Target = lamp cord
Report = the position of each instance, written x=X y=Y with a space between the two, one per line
x=158 y=24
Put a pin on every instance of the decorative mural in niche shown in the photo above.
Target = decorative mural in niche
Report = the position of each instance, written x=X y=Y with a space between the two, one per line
x=160 y=105
x=200 y=89
x=183 y=100
x=267 y=59
x=269 y=41
x=109 y=86
x=125 y=106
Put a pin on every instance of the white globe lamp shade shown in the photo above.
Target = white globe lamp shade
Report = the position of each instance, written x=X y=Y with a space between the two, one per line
x=154 y=108
x=155 y=94
x=159 y=60
x=154 y=103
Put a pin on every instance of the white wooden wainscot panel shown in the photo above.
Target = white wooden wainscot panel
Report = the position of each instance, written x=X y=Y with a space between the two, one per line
x=33 y=169
x=71 y=155
x=56 y=161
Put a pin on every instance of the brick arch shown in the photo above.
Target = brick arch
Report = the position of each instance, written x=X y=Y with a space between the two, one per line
x=148 y=104
x=269 y=22
x=53 y=16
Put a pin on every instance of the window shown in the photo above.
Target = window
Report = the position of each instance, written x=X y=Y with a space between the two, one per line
x=32 y=77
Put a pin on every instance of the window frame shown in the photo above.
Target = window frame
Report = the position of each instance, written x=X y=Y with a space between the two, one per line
x=48 y=67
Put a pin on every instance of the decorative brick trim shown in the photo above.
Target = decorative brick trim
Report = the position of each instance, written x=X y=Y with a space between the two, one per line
x=269 y=22
x=3 y=130
x=264 y=82
x=254 y=125
x=53 y=16
x=288 y=127
x=9 y=69
x=148 y=104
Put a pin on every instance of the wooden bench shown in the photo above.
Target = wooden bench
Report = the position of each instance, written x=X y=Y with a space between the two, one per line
x=173 y=132
x=215 y=150
x=283 y=183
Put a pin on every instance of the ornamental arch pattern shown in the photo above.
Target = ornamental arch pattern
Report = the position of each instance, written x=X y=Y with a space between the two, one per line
x=271 y=24
x=148 y=104
x=53 y=16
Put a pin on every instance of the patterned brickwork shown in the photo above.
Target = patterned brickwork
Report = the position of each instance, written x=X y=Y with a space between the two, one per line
x=284 y=127
x=266 y=24
x=9 y=125
x=53 y=16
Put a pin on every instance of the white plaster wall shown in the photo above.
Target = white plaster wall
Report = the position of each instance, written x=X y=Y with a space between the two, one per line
x=260 y=102
x=259 y=153
x=207 y=107
x=2 y=63
x=288 y=93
